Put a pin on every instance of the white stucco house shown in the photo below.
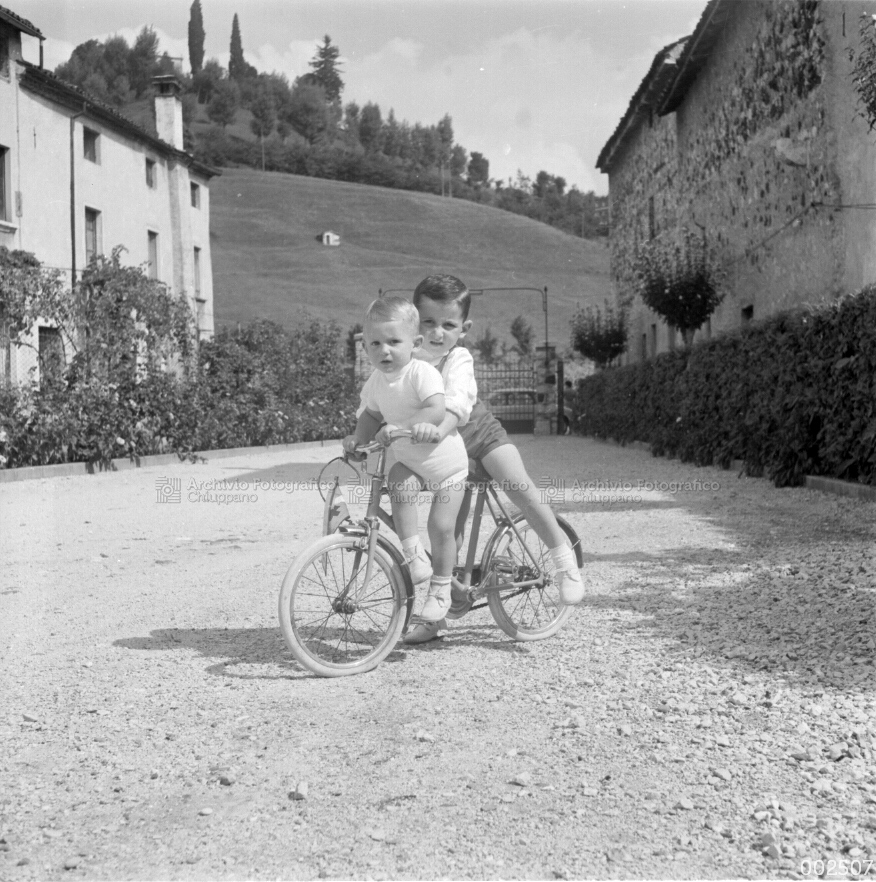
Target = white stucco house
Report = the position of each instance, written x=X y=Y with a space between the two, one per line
x=78 y=178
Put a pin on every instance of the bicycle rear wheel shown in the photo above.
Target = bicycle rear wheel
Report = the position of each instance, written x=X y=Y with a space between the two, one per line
x=334 y=624
x=526 y=613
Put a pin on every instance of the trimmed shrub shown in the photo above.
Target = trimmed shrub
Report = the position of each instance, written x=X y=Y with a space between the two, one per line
x=791 y=396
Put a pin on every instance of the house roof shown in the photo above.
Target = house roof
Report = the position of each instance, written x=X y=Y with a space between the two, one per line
x=19 y=23
x=648 y=97
x=41 y=82
x=696 y=51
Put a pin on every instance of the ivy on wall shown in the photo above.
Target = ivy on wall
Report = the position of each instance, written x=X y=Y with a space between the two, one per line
x=757 y=122
x=864 y=68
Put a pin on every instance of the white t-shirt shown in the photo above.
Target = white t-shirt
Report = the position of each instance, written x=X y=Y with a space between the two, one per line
x=460 y=386
x=397 y=398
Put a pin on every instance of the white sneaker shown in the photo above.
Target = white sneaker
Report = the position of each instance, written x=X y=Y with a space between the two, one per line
x=420 y=568
x=570 y=585
x=425 y=631
x=437 y=603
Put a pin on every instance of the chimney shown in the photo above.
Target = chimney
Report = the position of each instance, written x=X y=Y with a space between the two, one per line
x=168 y=110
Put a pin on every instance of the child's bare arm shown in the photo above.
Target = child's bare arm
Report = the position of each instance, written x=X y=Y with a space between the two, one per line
x=429 y=420
x=366 y=428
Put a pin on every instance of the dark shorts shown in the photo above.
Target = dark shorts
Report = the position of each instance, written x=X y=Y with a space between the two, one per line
x=483 y=433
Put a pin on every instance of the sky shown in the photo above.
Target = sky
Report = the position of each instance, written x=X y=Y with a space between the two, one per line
x=531 y=84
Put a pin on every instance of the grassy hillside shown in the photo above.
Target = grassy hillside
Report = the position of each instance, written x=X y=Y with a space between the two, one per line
x=268 y=262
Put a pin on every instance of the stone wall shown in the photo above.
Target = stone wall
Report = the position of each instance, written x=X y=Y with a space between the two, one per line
x=755 y=157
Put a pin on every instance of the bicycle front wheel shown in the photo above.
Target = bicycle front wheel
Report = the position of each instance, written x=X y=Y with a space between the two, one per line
x=528 y=613
x=333 y=622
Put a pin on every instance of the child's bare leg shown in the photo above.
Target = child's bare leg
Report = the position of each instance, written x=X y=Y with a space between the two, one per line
x=404 y=486
x=441 y=527
x=442 y=521
x=506 y=466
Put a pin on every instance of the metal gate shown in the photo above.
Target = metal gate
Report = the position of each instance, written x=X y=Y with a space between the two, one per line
x=510 y=392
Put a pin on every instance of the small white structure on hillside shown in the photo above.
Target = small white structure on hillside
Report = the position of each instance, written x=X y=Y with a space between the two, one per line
x=330 y=238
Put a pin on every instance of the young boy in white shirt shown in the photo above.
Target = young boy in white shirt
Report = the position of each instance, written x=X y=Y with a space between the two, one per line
x=443 y=303
x=407 y=393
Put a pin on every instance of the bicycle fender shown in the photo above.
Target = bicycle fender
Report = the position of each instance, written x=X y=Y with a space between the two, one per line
x=399 y=561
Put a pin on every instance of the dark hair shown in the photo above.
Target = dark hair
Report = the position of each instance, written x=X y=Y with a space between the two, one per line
x=444 y=289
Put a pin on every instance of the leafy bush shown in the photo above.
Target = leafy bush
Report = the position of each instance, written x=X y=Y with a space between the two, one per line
x=679 y=280
x=134 y=386
x=599 y=336
x=791 y=396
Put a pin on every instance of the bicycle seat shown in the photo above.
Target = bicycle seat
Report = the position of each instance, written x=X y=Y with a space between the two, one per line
x=477 y=474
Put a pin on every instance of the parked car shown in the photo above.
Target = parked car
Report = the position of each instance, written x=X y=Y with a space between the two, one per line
x=512 y=407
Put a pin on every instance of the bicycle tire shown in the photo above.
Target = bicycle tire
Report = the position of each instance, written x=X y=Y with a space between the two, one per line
x=529 y=613
x=333 y=642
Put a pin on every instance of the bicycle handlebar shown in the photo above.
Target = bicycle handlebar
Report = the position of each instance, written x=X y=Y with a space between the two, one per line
x=371 y=446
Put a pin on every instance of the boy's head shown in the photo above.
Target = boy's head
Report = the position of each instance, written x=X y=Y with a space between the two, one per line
x=444 y=289
x=391 y=333
x=443 y=303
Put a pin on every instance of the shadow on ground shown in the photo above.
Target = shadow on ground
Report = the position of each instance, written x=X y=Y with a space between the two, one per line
x=237 y=647
x=715 y=607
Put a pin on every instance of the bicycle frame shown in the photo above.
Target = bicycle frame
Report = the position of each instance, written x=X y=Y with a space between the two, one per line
x=369 y=528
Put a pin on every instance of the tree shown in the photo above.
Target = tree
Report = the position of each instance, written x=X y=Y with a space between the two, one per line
x=458 y=160
x=371 y=128
x=478 y=169
x=206 y=79
x=307 y=111
x=391 y=135
x=222 y=108
x=196 y=37
x=524 y=337
x=488 y=347
x=326 y=69
x=237 y=65
x=599 y=336
x=142 y=60
x=444 y=135
x=680 y=280
x=264 y=116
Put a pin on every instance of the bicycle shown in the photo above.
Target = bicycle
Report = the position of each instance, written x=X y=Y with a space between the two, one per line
x=348 y=598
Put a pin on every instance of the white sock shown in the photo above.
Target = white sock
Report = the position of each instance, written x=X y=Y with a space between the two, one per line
x=564 y=558
x=412 y=548
x=442 y=583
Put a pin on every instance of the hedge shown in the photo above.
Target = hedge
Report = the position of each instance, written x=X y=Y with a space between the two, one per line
x=791 y=396
x=260 y=385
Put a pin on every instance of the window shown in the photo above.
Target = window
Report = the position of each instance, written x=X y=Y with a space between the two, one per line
x=747 y=314
x=92 y=234
x=153 y=255
x=652 y=347
x=197 y=273
x=652 y=223
x=51 y=350
x=4 y=185
x=150 y=174
x=90 y=145
x=643 y=351
x=196 y=196
x=4 y=53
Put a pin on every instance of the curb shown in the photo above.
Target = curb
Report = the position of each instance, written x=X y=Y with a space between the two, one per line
x=67 y=469
x=841 y=488
x=864 y=492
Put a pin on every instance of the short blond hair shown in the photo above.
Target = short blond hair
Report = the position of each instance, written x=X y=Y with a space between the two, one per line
x=394 y=309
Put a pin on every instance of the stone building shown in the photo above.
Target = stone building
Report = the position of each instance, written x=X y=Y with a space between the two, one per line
x=78 y=178
x=749 y=133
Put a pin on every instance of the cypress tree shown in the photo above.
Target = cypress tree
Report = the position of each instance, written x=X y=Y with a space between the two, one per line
x=196 y=37
x=237 y=66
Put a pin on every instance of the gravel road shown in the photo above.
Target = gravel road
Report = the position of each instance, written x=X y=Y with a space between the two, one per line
x=709 y=712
